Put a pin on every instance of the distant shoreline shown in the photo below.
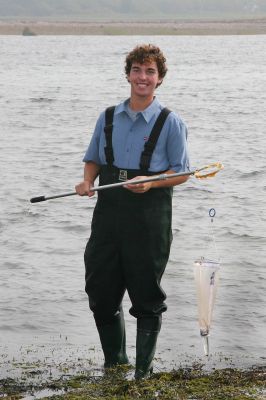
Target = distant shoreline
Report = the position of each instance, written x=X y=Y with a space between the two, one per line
x=152 y=27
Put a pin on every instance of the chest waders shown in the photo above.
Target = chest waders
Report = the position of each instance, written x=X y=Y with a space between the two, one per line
x=128 y=250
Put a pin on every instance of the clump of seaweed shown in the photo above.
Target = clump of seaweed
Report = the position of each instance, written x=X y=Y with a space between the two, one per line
x=182 y=384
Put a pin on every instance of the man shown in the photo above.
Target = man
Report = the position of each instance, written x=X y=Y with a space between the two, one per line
x=131 y=227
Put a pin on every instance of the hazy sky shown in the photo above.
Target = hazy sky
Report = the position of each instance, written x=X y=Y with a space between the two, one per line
x=129 y=8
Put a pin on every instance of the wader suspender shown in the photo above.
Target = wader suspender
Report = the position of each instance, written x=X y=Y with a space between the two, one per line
x=149 y=146
x=145 y=158
x=108 y=129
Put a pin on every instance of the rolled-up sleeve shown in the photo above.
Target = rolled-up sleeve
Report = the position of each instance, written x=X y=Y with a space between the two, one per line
x=93 y=150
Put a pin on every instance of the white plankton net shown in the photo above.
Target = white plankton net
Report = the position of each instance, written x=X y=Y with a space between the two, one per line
x=207 y=279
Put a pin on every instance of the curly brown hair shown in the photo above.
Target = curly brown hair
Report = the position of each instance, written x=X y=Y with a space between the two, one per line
x=147 y=53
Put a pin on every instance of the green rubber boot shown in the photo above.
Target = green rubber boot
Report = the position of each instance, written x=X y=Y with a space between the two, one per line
x=113 y=341
x=147 y=333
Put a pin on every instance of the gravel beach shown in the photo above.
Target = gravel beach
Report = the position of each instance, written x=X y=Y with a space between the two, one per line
x=175 y=27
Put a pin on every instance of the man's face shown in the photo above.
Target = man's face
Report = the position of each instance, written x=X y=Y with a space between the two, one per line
x=144 y=78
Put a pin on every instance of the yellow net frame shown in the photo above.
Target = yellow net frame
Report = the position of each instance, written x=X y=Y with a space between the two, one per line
x=208 y=171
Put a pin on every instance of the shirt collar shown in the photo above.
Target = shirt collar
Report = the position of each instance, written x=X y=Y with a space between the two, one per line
x=147 y=114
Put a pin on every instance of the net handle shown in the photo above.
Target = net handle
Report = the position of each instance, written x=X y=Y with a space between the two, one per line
x=196 y=173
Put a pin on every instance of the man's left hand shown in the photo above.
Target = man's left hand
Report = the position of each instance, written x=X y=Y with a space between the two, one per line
x=138 y=187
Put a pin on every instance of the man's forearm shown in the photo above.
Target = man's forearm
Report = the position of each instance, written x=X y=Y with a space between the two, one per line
x=91 y=171
x=171 y=181
x=145 y=186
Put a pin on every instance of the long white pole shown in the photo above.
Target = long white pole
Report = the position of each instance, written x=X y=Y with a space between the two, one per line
x=160 y=177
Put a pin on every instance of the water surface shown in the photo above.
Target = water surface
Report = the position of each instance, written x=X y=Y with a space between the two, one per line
x=51 y=92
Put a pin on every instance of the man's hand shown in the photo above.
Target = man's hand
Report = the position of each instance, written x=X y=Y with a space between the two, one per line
x=139 y=187
x=84 y=189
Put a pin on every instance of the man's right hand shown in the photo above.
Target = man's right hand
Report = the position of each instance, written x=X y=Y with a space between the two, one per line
x=84 y=189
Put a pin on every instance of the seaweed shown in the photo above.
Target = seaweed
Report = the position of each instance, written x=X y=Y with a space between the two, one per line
x=118 y=384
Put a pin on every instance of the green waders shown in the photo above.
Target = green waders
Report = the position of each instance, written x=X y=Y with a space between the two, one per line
x=147 y=332
x=128 y=250
x=113 y=341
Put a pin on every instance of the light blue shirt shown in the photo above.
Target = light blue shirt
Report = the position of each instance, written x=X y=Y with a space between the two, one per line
x=130 y=136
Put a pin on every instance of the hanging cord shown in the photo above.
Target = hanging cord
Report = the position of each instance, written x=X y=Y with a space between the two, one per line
x=212 y=213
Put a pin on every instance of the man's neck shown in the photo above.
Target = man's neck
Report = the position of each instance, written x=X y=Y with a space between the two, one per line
x=139 y=103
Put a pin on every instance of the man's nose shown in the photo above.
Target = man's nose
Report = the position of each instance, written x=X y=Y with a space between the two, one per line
x=142 y=75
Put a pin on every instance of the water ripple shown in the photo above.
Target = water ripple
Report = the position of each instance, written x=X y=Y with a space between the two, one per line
x=47 y=120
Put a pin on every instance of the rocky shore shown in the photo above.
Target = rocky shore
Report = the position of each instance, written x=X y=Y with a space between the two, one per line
x=175 y=27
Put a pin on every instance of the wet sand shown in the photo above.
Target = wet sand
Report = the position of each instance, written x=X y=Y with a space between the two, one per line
x=179 y=27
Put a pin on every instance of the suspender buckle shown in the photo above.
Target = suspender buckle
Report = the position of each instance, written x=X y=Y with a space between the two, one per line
x=122 y=175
